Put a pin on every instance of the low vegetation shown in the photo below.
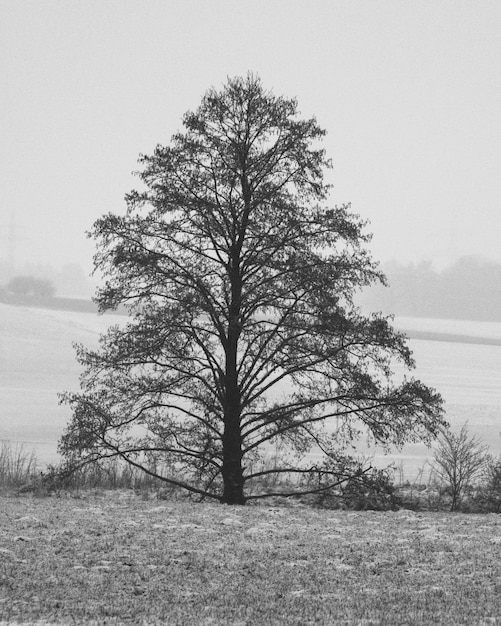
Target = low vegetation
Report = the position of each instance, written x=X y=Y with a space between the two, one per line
x=111 y=546
x=463 y=477
x=18 y=466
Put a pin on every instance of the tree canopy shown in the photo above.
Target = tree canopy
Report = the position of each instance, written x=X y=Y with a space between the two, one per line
x=243 y=336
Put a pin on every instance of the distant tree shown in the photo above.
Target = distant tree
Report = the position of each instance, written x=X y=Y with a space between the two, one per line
x=244 y=337
x=458 y=461
x=31 y=286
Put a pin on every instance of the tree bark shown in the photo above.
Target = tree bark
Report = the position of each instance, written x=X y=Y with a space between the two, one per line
x=232 y=438
x=233 y=481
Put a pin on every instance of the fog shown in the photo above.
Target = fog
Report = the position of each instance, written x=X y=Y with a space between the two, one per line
x=469 y=289
x=409 y=94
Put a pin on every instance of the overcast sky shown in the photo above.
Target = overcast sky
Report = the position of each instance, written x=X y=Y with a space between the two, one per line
x=409 y=92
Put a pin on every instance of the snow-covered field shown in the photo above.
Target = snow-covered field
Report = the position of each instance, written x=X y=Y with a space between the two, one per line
x=37 y=361
x=116 y=558
x=453 y=328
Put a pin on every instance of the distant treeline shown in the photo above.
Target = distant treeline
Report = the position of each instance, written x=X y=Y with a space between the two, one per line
x=468 y=290
x=47 y=302
x=53 y=302
x=69 y=281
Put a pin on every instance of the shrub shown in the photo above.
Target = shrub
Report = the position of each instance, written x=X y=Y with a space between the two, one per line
x=360 y=487
x=458 y=462
x=374 y=491
x=487 y=498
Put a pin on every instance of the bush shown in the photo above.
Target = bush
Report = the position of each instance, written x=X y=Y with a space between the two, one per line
x=487 y=498
x=458 y=462
x=360 y=488
x=372 y=491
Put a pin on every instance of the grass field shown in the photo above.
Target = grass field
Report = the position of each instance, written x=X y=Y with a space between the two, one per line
x=114 y=558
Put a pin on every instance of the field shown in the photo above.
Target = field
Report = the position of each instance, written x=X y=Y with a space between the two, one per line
x=37 y=362
x=117 y=559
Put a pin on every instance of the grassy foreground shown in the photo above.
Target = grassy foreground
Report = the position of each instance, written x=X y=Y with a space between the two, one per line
x=113 y=558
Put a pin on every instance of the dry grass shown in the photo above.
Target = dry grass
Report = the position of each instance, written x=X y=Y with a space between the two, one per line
x=17 y=464
x=114 y=558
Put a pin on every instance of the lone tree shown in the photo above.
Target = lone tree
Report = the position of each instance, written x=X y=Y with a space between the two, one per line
x=243 y=335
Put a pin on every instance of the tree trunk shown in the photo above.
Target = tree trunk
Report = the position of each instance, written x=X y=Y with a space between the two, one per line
x=232 y=462
x=232 y=436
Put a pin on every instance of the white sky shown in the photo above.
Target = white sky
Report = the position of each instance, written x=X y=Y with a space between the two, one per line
x=409 y=92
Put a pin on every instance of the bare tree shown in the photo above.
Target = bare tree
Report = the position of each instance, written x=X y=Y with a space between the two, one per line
x=458 y=461
x=244 y=334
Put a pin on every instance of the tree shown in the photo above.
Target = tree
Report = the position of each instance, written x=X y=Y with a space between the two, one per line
x=458 y=461
x=31 y=286
x=243 y=332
